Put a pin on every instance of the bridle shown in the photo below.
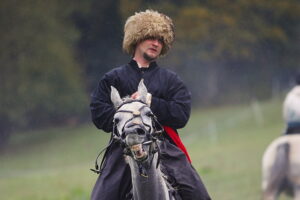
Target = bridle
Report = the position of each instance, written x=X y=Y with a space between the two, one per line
x=152 y=134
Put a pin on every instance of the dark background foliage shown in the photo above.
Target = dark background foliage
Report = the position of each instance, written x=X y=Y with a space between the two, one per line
x=54 y=52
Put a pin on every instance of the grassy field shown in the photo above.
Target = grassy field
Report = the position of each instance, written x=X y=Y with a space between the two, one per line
x=226 y=145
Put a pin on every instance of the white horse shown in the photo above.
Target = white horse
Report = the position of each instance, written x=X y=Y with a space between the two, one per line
x=134 y=128
x=281 y=160
x=281 y=168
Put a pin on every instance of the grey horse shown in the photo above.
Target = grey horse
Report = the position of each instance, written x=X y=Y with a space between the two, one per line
x=134 y=128
x=281 y=168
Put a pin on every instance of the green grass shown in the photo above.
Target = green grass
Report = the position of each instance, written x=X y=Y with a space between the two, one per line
x=226 y=145
x=55 y=166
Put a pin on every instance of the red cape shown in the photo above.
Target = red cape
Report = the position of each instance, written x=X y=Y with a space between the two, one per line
x=176 y=139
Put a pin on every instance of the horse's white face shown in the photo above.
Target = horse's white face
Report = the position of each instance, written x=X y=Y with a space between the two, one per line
x=133 y=120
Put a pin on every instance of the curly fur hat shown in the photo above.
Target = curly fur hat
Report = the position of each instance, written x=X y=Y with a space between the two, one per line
x=147 y=24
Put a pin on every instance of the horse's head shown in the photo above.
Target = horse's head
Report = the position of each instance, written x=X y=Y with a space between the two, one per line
x=137 y=129
x=134 y=122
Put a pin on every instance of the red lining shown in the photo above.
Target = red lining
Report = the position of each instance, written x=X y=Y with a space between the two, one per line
x=176 y=139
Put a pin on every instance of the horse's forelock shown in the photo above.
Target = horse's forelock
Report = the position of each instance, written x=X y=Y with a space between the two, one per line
x=126 y=99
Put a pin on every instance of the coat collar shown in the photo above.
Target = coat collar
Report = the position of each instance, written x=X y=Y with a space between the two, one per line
x=135 y=66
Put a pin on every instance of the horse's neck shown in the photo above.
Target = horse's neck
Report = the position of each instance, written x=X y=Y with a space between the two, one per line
x=148 y=187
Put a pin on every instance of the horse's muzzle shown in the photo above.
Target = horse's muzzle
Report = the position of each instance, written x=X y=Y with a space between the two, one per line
x=138 y=152
x=134 y=128
x=134 y=139
x=135 y=144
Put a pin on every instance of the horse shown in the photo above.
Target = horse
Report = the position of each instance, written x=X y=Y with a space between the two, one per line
x=281 y=168
x=138 y=131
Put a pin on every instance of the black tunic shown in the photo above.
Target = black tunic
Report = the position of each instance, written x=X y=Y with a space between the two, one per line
x=171 y=101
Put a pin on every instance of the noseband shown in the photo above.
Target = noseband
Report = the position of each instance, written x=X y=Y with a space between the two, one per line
x=152 y=135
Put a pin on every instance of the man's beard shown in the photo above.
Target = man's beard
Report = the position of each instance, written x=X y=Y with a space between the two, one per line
x=148 y=58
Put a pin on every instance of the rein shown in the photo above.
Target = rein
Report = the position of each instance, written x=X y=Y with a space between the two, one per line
x=157 y=131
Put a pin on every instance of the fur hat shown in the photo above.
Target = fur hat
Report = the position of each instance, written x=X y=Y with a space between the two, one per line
x=147 y=24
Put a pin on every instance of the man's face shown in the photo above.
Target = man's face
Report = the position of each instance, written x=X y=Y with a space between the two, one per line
x=150 y=48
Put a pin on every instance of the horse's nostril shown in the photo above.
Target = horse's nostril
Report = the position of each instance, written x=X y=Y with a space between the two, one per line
x=140 y=131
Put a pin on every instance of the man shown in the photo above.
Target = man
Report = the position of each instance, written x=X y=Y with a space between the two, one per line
x=291 y=109
x=147 y=36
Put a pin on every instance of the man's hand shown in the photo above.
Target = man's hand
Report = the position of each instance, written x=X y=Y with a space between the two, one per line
x=135 y=95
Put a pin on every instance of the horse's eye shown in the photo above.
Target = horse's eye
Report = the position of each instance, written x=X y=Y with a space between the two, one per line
x=149 y=114
x=116 y=120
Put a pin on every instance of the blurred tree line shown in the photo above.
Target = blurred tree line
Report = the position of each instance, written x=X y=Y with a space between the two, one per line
x=54 y=52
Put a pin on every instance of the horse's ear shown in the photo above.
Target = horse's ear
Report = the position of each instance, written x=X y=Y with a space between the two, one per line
x=115 y=97
x=142 y=90
x=148 y=99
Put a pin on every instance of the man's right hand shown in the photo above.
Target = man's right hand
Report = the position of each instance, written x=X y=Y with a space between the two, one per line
x=135 y=95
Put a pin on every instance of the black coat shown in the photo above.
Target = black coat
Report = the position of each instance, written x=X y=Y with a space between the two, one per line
x=171 y=101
